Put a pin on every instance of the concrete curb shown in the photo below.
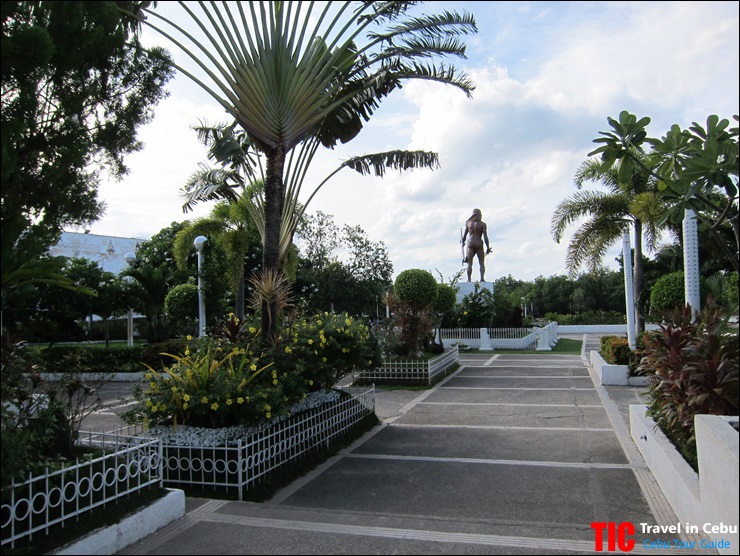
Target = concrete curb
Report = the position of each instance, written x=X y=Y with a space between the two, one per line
x=113 y=539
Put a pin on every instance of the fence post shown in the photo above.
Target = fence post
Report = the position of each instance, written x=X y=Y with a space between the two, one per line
x=543 y=343
x=485 y=340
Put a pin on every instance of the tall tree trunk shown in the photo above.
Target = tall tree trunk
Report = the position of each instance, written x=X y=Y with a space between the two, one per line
x=638 y=278
x=274 y=195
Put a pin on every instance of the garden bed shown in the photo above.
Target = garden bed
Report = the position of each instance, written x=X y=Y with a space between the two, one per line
x=411 y=371
x=707 y=497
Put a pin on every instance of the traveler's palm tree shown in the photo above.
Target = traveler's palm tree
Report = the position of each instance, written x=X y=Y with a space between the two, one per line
x=603 y=217
x=293 y=74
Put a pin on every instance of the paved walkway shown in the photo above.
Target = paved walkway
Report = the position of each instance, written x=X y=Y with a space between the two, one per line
x=512 y=454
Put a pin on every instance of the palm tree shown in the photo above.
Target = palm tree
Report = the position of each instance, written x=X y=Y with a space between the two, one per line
x=150 y=290
x=291 y=76
x=607 y=214
x=230 y=225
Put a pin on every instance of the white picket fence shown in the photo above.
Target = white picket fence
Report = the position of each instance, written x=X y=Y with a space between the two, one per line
x=134 y=462
x=33 y=506
x=406 y=371
x=252 y=459
x=486 y=339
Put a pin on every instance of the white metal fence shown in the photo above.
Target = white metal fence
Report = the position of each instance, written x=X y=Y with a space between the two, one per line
x=43 y=501
x=421 y=371
x=252 y=459
x=540 y=338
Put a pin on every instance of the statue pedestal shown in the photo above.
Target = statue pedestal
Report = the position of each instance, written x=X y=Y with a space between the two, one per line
x=466 y=288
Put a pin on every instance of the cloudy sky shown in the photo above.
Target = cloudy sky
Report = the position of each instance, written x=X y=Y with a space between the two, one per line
x=547 y=76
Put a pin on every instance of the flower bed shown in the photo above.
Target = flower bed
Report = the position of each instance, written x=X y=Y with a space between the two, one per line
x=236 y=459
x=411 y=371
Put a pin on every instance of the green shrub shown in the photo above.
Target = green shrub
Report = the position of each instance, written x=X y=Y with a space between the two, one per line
x=415 y=287
x=668 y=293
x=227 y=380
x=692 y=368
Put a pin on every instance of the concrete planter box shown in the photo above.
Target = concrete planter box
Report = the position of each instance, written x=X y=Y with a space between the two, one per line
x=708 y=499
x=614 y=374
x=113 y=539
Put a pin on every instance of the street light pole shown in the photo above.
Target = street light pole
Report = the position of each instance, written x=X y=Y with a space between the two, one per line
x=199 y=242
x=130 y=258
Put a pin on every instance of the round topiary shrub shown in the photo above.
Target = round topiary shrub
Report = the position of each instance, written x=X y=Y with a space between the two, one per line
x=668 y=292
x=416 y=287
x=181 y=304
x=446 y=298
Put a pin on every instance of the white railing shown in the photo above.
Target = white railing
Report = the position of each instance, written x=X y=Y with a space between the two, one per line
x=37 y=504
x=486 y=339
x=412 y=370
x=251 y=459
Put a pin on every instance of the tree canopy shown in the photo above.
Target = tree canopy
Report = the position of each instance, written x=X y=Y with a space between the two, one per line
x=76 y=87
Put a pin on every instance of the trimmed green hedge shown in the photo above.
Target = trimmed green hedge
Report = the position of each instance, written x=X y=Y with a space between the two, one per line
x=97 y=359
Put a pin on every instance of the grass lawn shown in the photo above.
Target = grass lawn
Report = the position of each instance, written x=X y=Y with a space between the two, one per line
x=565 y=346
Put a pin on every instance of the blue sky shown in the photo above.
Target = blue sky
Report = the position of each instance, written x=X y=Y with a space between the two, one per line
x=547 y=75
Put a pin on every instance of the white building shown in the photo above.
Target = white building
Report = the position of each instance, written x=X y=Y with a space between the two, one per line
x=108 y=251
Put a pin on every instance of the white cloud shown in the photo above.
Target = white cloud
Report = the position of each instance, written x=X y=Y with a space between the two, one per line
x=547 y=76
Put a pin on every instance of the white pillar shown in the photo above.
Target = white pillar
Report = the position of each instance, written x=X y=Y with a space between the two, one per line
x=199 y=242
x=485 y=340
x=629 y=291
x=692 y=291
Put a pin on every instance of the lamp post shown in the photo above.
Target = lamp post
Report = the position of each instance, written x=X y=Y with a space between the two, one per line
x=199 y=242
x=130 y=258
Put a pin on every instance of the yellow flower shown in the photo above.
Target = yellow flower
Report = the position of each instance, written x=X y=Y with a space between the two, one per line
x=252 y=330
x=148 y=376
x=148 y=403
x=214 y=406
x=310 y=382
x=185 y=405
x=324 y=359
x=268 y=415
x=268 y=407
x=275 y=382
x=288 y=350
x=186 y=397
x=253 y=367
x=240 y=400
x=229 y=401
x=310 y=341
x=187 y=351
x=152 y=385
x=204 y=399
x=188 y=337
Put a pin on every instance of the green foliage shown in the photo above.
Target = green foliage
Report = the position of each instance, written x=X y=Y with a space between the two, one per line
x=668 y=292
x=181 y=306
x=40 y=419
x=225 y=380
x=695 y=169
x=476 y=309
x=325 y=348
x=692 y=368
x=416 y=287
x=615 y=350
x=77 y=85
x=446 y=299
x=590 y=317
x=211 y=387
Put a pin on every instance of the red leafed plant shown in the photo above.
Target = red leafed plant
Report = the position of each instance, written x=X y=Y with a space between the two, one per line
x=692 y=365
